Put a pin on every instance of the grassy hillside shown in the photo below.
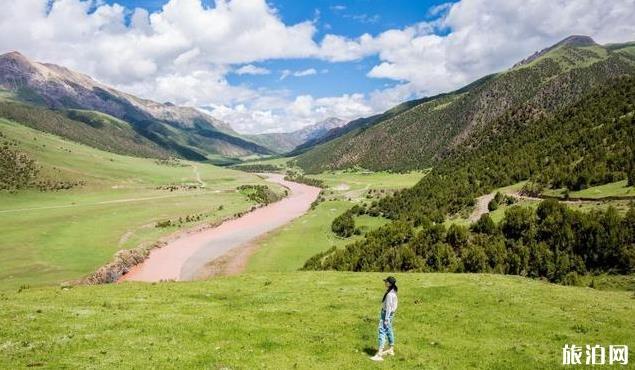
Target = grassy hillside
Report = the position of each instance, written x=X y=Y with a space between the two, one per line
x=48 y=237
x=287 y=248
x=618 y=189
x=323 y=320
x=91 y=128
x=418 y=137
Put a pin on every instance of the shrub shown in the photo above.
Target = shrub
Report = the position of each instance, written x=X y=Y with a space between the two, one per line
x=474 y=259
x=492 y=205
x=343 y=225
x=457 y=236
x=484 y=225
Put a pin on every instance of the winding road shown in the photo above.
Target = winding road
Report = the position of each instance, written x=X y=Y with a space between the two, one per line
x=183 y=258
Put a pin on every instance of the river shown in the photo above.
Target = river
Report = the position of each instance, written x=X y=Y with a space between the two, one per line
x=184 y=257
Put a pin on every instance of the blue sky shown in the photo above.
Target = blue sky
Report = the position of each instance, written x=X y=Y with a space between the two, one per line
x=348 y=18
x=279 y=65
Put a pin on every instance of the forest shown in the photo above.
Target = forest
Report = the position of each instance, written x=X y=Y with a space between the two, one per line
x=552 y=242
x=18 y=169
x=589 y=143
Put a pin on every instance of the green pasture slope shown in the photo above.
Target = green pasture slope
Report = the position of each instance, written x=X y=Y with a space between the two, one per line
x=614 y=189
x=49 y=237
x=287 y=248
x=309 y=320
x=618 y=194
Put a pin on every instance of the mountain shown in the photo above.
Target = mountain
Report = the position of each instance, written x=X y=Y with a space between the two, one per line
x=183 y=131
x=286 y=141
x=425 y=131
x=584 y=145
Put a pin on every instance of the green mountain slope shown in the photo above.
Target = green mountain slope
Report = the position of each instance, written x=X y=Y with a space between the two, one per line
x=96 y=129
x=183 y=131
x=589 y=143
x=422 y=135
x=103 y=203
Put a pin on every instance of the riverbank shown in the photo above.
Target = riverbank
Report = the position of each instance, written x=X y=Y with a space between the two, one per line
x=185 y=257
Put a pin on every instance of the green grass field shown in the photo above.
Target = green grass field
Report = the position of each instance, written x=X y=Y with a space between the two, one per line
x=49 y=237
x=309 y=320
x=287 y=248
x=279 y=161
x=354 y=185
x=614 y=189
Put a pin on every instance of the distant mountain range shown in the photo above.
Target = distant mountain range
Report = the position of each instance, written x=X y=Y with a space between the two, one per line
x=413 y=135
x=287 y=141
x=29 y=87
x=420 y=133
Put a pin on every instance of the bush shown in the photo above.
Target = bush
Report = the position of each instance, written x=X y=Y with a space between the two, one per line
x=474 y=259
x=484 y=225
x=518 y=223
x=457 y=236
x=441 y=257
x=492 y=205
x=18 y=170
x=260 y=194
x=343 y=225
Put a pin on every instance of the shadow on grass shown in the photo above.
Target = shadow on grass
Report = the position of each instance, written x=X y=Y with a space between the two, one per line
x=369 y=351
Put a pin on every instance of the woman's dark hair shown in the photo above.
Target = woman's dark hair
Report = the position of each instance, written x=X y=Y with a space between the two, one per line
x=393 y=286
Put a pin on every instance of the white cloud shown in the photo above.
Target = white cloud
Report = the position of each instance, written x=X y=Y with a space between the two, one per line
x=303 y=110
x=305 y=72
x=302 y=73
x=481 y=37
x=183 y=36
x=183 y=52
x=250 y=69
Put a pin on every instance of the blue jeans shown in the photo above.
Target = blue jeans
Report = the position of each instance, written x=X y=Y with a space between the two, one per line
x=385 y=330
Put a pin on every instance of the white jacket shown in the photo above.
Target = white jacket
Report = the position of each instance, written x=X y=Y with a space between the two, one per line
x=390 y=303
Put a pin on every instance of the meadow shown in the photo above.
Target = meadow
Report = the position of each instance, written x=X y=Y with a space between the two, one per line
x=309 y=320
x=613 y=189
x=353 y=184
x=50 y=237
x=287 y=248
x=618 y=190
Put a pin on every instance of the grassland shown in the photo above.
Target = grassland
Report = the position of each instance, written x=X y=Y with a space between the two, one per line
x=279 y=161
x=354 y=184
x=614 y=189
x=317 y=320
x=55 y=236
x=287 y=248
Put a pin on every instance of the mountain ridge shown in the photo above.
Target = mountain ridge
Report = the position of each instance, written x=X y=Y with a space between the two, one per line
x=424 y=133
x=284 y=142
x=185 y=131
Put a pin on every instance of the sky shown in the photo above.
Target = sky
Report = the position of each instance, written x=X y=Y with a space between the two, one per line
x=279 y=65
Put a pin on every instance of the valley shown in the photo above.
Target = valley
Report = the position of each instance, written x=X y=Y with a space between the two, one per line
x=73 y=232
x=142 y=233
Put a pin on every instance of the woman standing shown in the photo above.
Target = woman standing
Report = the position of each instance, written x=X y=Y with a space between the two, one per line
x=388 y=309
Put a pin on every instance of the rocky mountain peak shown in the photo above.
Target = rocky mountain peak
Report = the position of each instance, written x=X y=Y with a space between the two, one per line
x=570 y=41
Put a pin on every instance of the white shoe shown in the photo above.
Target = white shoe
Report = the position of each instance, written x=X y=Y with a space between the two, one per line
x=377 y=357
x=390 y=351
